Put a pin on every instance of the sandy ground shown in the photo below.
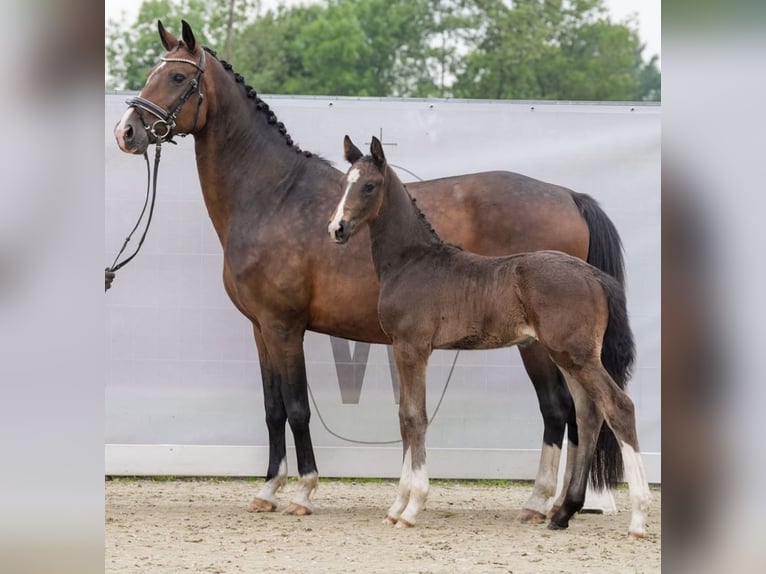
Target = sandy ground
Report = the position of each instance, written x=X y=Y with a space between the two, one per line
x=202 y=526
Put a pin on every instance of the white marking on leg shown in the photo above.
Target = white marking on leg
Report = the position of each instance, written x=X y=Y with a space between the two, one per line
x=307 y=484
x=528 y=331
x=545 y=483
x=418 y=495
x=640 y=495
x=403 y=496
x=568 y=471
x=351 y=179
x=269 y=489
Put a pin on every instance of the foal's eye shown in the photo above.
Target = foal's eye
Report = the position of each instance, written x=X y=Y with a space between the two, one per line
x=368 y=187
x=178 y=78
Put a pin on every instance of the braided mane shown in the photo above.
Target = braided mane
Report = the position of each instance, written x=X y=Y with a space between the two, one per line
x=261 y=106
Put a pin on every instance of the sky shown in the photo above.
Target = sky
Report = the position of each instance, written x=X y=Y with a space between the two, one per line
x=647 y=11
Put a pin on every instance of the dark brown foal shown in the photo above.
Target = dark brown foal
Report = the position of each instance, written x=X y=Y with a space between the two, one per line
x=436 y=296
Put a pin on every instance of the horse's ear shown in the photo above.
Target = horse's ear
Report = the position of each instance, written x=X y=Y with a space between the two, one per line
x=376 y=151
x=188 y=36
x=350 y=151
x=168 y=40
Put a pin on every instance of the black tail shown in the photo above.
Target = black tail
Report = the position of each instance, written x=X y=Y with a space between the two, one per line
x=618 y=350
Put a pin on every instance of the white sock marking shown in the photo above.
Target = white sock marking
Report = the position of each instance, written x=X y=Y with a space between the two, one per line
x=307 y=484
x=405 y=483
x=418 y=495
x=640 y=495
x=541 y=499
x=269 y=489
x=568 y=470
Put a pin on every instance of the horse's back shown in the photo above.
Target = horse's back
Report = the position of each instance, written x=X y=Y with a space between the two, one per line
x=500 y=212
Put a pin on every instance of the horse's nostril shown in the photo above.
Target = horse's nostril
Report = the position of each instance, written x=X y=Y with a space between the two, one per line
x=128 y=133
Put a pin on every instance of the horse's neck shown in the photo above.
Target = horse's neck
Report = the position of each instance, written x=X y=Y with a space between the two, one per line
x=398 y=228
x=242 y=160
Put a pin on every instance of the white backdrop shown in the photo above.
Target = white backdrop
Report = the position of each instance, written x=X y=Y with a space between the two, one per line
x=183 y=390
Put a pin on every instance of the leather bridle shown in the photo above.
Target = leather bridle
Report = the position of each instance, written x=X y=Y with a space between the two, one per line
x=166 y=121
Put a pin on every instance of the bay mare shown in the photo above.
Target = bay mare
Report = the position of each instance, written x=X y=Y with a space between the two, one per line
x=268 y=200
x=436 y=296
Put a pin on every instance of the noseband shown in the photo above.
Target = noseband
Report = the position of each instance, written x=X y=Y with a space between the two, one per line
x=166 y=121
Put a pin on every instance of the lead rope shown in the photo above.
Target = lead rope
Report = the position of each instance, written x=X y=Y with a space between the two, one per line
x=151 y=187
x=355 y=441
x=438 y=405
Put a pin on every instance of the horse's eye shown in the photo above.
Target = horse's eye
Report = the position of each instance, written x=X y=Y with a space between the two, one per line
x=368 y=187
x=178 y=78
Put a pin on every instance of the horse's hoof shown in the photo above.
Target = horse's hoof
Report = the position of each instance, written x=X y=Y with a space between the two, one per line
x=261 y=505
x=388 y=521
x=636 y=535
x=556 y=526
x=297 y=510
x=402 y=523
x=529 y=516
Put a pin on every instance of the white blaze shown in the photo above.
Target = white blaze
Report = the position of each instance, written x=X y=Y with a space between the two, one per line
x=351 y=179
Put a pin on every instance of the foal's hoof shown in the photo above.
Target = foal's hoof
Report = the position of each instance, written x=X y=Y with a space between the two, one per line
x=529 y=516
x=402 y=523
x=261 y=505
x=297 y=510
x=388 y=521
x=636 y=535
x=556 y=526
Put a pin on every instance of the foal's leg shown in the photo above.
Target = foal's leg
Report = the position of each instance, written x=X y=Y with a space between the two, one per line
x=555 y=406
x=619 y=412
x=413 y=422
x=571 y=457
x=276 y=417
x=589 y=421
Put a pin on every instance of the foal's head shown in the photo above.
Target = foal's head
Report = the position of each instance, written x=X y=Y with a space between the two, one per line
x=364 y=187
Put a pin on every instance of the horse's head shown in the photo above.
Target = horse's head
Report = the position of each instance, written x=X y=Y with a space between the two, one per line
x=364 y=187
x=172 y=101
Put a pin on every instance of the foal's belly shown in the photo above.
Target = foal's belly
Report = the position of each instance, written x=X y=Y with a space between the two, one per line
x=479 y=339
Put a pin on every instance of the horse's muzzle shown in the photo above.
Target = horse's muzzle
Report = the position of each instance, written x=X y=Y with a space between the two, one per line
x=130 y=134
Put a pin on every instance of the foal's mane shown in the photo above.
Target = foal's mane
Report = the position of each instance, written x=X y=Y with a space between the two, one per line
x=262 y=107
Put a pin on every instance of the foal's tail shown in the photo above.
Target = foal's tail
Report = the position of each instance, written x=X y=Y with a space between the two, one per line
x=618 y=349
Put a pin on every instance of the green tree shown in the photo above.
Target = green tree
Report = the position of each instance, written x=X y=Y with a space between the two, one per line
x=132 y=48
x=553 y=49
x=341 y=47
x=499 y=49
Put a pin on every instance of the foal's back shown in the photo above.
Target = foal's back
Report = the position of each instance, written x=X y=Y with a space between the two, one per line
x=458 y=300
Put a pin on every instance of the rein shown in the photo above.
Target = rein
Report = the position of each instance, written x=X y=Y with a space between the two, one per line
x=151 y=186
x=167 y=121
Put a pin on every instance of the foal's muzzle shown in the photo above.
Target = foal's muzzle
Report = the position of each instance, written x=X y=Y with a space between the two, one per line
x=339 y=232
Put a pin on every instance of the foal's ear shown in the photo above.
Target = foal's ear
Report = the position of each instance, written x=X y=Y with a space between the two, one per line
x=350 y=151
x=168 y=40
x=376 y=151
x=188 y=36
